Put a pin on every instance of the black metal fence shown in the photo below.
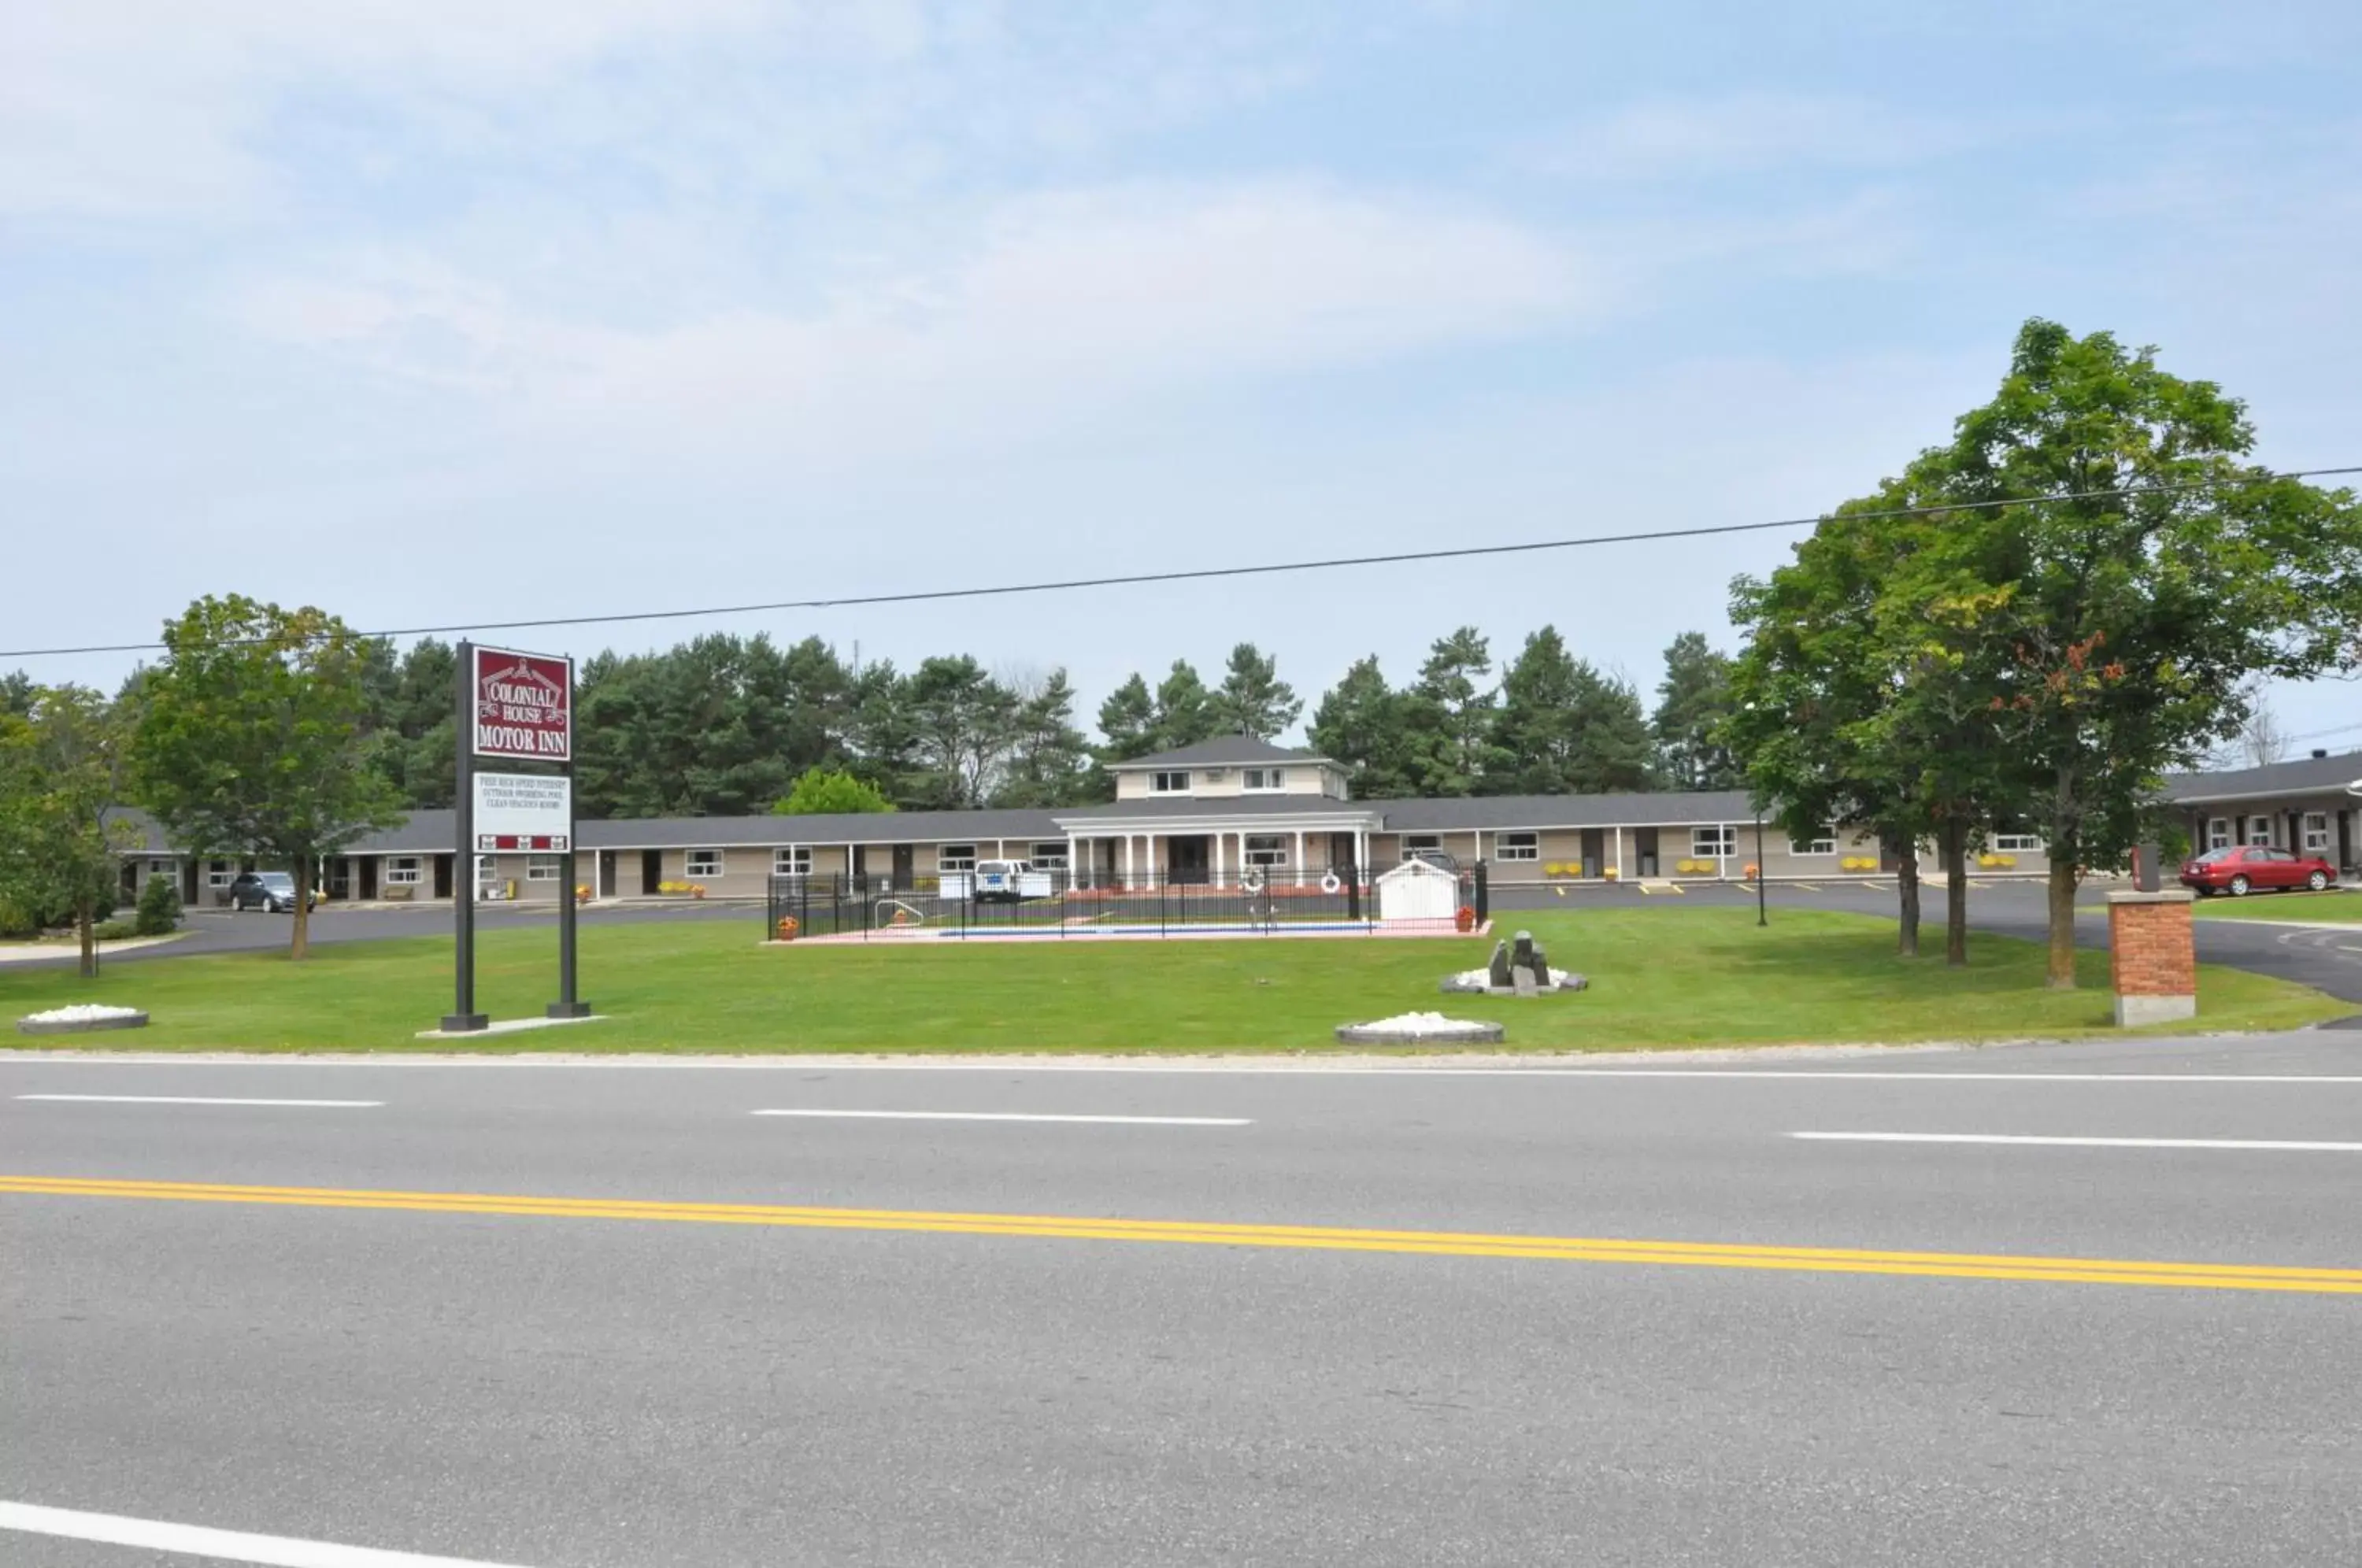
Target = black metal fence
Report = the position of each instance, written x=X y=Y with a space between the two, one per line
x=1051 y=904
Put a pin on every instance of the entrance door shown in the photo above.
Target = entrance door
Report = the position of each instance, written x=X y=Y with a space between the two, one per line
x=1340 y=850
x=1189 y=858
x=904 y=862
x=651 y=870
x=1594 y=850
x=1644 y=840
x=369 y=876
x=189 y=884
x=606 y=887
x=442 y=875
x=2344 y=840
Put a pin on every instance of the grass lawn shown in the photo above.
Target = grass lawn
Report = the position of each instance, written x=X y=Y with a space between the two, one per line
x=2336 y=904
x=1669 y=976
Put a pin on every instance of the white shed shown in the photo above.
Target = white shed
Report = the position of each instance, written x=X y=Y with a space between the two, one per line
x=1418 y=890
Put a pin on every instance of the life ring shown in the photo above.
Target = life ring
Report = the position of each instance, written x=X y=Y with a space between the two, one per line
x=1252 y=879
x=1329 y=883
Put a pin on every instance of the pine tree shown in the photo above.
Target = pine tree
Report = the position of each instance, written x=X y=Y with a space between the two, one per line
x=1360 y=725
x=1254 y=701
x=1694 y=704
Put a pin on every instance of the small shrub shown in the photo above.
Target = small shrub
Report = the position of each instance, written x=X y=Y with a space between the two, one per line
x=160 y=908
x=113 y=930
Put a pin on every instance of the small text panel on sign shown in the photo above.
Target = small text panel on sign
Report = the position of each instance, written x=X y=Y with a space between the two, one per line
x=525 y=705
x=522 y=810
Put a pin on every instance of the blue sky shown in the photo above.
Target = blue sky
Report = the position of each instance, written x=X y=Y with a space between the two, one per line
x=431 y=311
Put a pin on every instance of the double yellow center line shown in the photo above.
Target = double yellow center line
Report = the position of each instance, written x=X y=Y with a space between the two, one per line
x=1190 y=1233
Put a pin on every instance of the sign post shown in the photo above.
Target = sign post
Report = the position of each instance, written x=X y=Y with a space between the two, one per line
x=514 y=707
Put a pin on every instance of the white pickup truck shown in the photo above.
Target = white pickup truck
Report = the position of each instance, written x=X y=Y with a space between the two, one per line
x=997 y=882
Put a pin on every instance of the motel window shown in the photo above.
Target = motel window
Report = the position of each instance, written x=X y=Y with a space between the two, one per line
x=488 y=868
x=402 y=871
x=160 y=867
x=2017 y=843
x=2218 y=833
x=1174 y=783
x=542 y=868
x=1050 y=856
x=2259 y=831
x=795 y=860
x=220 y=873
x=1267 y=849
x=701 y=864
x=956 y=857
x=1714 y=843
x=1517 y=846
x=1823 y=841
x=2316 y=831
x=1266 y=777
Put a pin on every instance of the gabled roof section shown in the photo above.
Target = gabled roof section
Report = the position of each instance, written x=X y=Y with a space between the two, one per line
x=1222 y=751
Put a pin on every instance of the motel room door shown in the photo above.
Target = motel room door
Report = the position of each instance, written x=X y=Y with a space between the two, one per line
x=905 y=866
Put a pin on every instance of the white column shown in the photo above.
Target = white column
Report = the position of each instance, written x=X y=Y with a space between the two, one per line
x=1299 y=857
x=1074 y=859
x=1361 y=854
x=1218 y=836
x=1126 y=862
x=1000 y=849
x=1475 y=845
x=1154 y=870
x=1618 y=833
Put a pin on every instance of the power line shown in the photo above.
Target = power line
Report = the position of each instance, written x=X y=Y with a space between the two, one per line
x=1203 y=574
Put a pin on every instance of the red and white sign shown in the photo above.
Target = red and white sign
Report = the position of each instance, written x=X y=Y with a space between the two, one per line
x=525 y=706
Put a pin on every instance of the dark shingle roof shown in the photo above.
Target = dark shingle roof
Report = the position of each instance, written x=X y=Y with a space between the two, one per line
x=2306 y=776
x=1222 y=751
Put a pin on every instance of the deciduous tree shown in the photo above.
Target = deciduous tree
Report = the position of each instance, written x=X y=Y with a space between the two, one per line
x=61 y=778
x=251 y=737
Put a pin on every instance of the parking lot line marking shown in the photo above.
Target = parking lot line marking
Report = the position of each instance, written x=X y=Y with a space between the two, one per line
x=220 y=1545
x=1017 y=1116
x=2273 y=1145
x=1225 y=1233
x=202 y=1099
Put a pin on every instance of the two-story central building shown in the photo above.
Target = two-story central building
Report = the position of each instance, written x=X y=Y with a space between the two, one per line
x=1208 y=813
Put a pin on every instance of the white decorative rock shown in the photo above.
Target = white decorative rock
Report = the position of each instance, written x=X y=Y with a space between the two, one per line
x=1421 y=1029
x=83 y=1018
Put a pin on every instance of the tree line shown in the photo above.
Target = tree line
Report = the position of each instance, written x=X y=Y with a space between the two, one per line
x=725 y=726
x=2036 y=621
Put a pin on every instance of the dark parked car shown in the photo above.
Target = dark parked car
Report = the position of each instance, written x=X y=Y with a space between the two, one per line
x=272 y=892
x=2248 y=867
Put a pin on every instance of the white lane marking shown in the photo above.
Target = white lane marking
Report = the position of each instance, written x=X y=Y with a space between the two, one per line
x=1017 y=1116
x=200 y=1099
x=2270 y=1144
x=823 y=1065
x=221 y=1545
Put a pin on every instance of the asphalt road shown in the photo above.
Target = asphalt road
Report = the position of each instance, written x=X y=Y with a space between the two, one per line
x=982 y=1342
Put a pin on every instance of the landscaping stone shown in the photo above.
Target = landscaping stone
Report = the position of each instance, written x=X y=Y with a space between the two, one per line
x=1479 y=983
x=82 y=1019
x=1421 y=1029
x=1498 y=977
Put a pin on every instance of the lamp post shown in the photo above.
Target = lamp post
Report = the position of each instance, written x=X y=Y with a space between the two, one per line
x=1763 y=910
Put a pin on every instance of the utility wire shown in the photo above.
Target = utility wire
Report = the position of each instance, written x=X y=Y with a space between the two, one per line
x=1203 y=574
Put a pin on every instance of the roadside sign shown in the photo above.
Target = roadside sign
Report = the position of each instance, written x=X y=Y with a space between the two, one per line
x=524 y=812
x=523 y=705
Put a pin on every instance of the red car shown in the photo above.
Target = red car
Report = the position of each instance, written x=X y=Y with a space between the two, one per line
x=2247 y=868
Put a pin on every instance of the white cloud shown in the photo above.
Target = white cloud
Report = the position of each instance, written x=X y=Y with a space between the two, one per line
x=1052 y=305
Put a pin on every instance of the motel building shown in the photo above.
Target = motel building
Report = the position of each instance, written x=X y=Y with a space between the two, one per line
x=1231 y=808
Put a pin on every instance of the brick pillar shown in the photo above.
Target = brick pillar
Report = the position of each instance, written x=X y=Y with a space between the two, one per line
x=2152 y=957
